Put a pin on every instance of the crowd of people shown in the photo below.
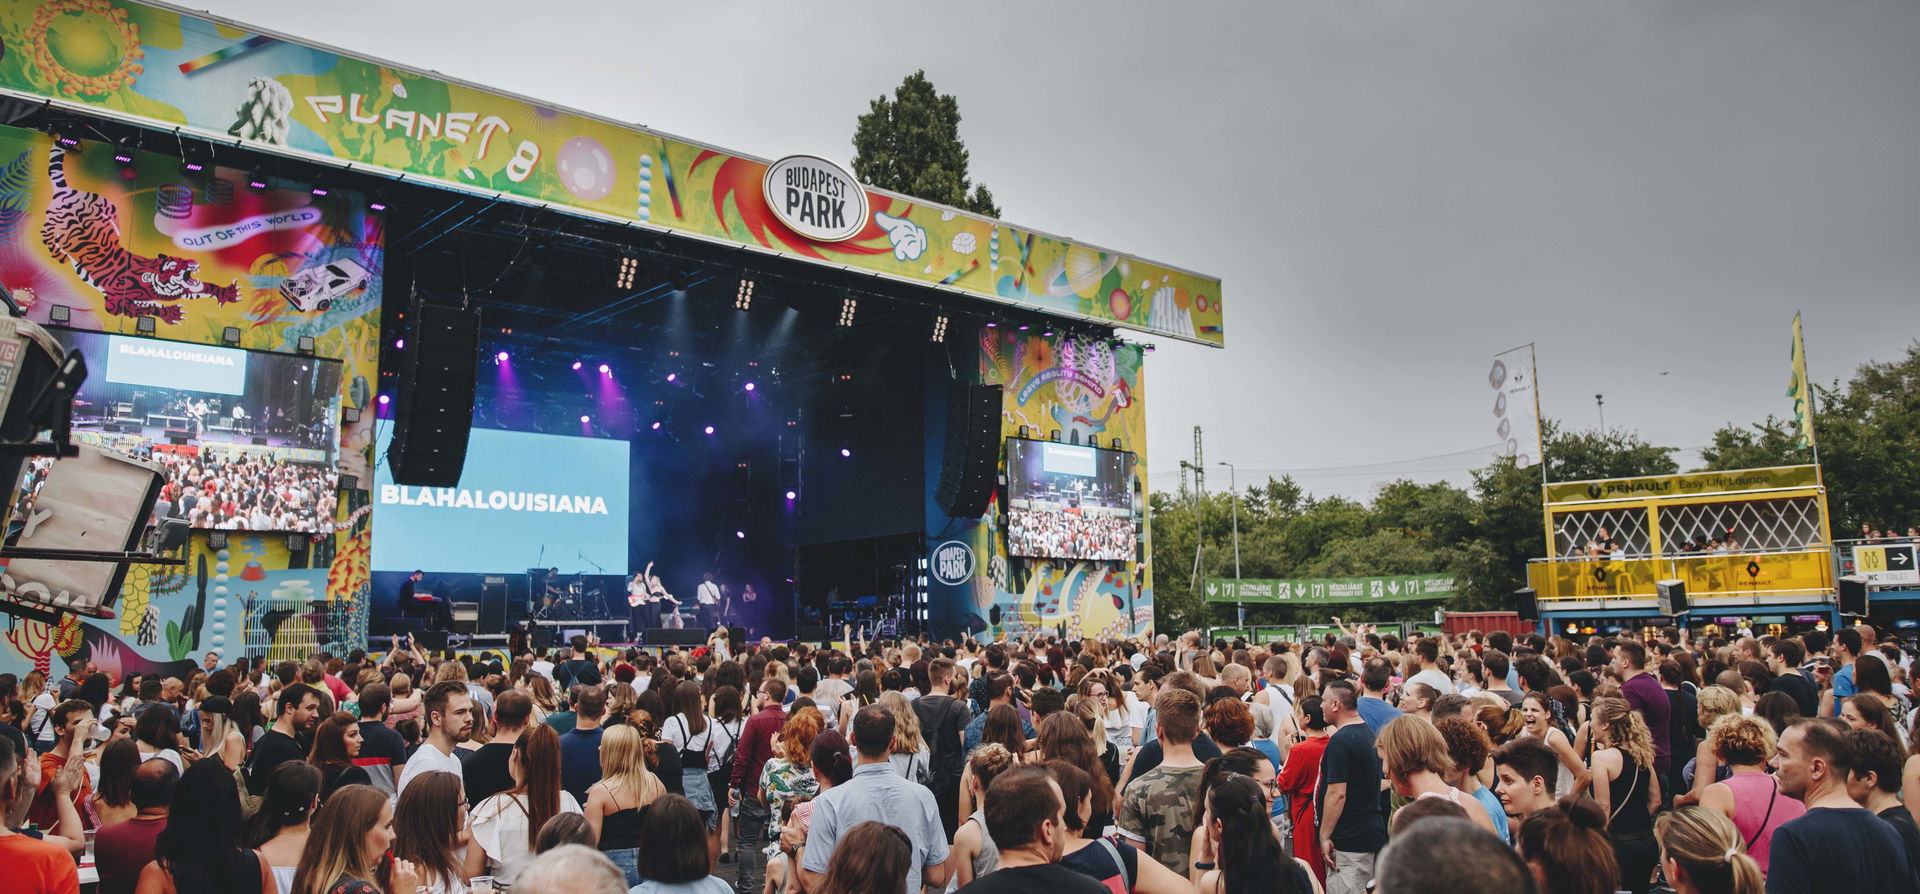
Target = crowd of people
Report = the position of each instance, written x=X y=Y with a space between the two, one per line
x=1098 y=535
x=245 y=491
x=1490 y=763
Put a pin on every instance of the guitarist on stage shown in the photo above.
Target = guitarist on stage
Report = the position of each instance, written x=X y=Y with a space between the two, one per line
x=647 y=598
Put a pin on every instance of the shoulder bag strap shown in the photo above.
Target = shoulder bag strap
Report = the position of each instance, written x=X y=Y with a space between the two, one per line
x=1763 y=820
x=1630 y=787
x=1126 y=881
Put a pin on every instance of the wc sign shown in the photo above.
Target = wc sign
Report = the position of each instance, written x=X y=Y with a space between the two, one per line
x=815 y=197
x=952 y=563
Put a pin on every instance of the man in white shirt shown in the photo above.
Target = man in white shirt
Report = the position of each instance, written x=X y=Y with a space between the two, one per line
x=543 y=667
x=708 y=595
x=1430 y=673
x=449 y=716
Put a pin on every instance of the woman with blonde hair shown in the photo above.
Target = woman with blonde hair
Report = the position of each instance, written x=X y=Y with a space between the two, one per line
x=1416 y=761
x=1626 y=789
x=1115 y=709
x=911 y=757
x=347 y=845
x=1749 y=796
x=1704 y=768
x=617 y=803
x=1703 y=853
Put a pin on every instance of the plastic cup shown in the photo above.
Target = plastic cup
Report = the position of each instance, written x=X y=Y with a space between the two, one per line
x=480 y=884
x=89 y=851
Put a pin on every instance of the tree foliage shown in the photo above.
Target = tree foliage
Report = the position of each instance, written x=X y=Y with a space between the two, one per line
x=911 y=144
x=1869 y=435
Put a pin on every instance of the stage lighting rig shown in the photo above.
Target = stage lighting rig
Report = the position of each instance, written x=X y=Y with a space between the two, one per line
x=848 y=305
x=623 y=277
x=939 y=328
x=743 y=298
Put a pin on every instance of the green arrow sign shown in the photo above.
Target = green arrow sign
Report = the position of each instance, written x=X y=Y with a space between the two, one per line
x=1401 y=588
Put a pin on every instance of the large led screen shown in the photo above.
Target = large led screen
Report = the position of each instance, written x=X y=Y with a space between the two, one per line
x=524 y=499
x=248 y=439
x=1065 y=501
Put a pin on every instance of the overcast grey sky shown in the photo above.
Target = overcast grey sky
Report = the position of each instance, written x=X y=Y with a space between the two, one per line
x=1392 y=192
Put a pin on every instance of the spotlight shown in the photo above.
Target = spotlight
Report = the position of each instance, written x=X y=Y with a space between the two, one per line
x=847 y=306
x=791 y=495
x=749 y=386
x=376 y=205
x=993 y=325
x=500 y=357
x=656 y=426
x=939 y=328
x=606 y=370
x=384 y=400
x=743 y=299
x=844 y=452
x=230 y=336
x=1024 y=327
x=319 y=191
x=576 y=365
x=585 y=418
x=709 y=429
x=624 y=276
x=399 y=344
x=672 y=376
x=257 y=181
x=1048 y=333
x=740 y=535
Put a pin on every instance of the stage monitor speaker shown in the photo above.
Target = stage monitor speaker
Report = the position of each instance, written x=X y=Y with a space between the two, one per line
x=969 y=467
x=1672 y=594
x=672 y=636
x=1526 y=604
x=819 y=635
x=1853 y=595
x=433 y=411
x=431 y=640
x=178 y=436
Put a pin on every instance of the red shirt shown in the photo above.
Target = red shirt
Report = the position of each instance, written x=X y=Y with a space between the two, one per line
x=123 y=849
x=36 y=867
x=756 y=748
x=44 y=812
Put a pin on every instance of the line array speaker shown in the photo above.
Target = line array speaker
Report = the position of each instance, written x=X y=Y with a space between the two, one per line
x=1526 y=603
x=1853 y=595
x=969 y=467
x=433 y=412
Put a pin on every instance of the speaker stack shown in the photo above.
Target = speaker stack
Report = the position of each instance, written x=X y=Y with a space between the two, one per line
x=433 y=413
x=1853 y=595
x=1672 y=595
x=970 y=466
x=1526 y=604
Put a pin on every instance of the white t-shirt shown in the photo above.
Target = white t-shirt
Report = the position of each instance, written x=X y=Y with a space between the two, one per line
x=499 y=827
x=544 y=668
x=1434 y=678
x=166 y=754
x=675 y=732
x=428 y=759
x=42 y=726
x=708 y=593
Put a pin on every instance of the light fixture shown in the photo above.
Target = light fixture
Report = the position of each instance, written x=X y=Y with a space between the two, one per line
x=59 y=313
x=1023 y=432
x=847 y=307
x=673 y=376
x=257 y=181
x=500 y=357
x=585 y=418
x=399 y=344
x=743 y=298
x=709 y=429
x=606 y=370
x=297 y=543
x=576 y=365
x=144 y=325
x=230 y=336
x=376 y=205
x=384 y=400
x=629 y=269
x=740 y=535
x=656 y=426
x=1056 y=436
x=939 y=328
x=305 y=345
x=845 y=452
x=350 y=415
x=216 y=540
x=749 y=386
x=319 y=191
x=791 y=495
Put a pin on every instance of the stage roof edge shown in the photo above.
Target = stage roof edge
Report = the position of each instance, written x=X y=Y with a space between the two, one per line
x=231 y=83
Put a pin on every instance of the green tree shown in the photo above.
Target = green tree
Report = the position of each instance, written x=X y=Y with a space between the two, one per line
x=1869 y=437
x=1769 y=443
x=1615 y=453
x=911 y=144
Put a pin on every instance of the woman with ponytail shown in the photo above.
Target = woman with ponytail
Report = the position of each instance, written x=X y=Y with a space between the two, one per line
x=1567 y=850
x=1112 y=861
x=1702 y=853
x=1626 y=789
x=279 y=830
x=1248 y=854
x=1503 y=723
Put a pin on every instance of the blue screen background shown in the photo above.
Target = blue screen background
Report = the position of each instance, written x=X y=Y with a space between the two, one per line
x=458 y=539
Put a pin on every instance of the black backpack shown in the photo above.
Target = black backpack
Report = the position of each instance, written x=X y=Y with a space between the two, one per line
x=941 y=726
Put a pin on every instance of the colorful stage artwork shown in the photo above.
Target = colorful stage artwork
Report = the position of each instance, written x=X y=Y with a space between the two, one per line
x=225 y=81
x=1085 y=390
x=109 y=237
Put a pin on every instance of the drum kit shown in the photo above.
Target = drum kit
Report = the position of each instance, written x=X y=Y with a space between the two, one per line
x=578 y=598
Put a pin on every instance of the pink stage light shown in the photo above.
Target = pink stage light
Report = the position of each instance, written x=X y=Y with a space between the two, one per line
x=749 y=386
x=502 y=356
x=576 y=365
x=656 y=426
x=384 y=400
x=585 y=418
x=844 y=452
x=709 y=429
x=791 y=495
x=606 y=370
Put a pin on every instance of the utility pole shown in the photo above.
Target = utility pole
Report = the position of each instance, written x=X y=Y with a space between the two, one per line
x=1600 y=402
x=1233 y=484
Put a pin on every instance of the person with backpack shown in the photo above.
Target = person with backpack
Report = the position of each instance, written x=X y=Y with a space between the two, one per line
x=943 y=724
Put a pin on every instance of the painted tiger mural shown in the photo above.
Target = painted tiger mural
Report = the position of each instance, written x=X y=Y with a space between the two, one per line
x=83 y=229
